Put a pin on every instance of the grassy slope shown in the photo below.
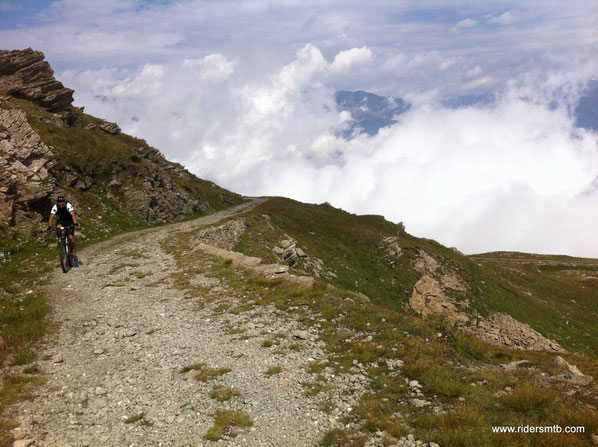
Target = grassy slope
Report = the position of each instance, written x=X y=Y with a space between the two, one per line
x=100 y=155
x=558 y=302
x=446 y=366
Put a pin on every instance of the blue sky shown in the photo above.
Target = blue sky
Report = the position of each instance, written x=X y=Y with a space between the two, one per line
x=241 y=92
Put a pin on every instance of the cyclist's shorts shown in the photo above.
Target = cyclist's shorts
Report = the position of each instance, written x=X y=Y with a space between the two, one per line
x=70 y=230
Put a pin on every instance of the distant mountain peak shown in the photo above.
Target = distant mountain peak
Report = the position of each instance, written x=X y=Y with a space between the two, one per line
x=369 y=112
x=586 y=112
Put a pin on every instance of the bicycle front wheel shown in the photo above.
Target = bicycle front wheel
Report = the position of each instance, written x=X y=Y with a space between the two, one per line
x=62 y=254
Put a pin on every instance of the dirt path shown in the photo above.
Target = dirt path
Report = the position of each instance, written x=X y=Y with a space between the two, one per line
x=124 y=332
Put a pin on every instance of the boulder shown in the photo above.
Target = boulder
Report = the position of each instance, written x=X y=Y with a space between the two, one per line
x=572 y=374
x=517 y=364
x=111 y=128
x=565 y=366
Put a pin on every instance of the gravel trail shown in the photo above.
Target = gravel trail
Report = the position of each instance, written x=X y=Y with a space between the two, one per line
x=125 y=332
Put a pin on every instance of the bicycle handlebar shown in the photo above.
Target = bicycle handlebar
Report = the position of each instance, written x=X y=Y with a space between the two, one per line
x=50 y=229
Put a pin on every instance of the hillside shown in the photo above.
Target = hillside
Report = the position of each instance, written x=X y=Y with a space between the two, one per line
x=260 y=321
x=170 y=335
x=49 y=148
x=378 y=258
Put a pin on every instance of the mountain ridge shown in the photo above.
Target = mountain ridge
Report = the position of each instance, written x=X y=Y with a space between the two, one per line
x=49 y=148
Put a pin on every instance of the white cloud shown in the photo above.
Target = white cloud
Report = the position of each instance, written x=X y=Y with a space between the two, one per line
x=447 y=63
x=480 y=82
x=504 y=19
x=213 y=66
x=467 y=23
x=345 y=60
x=475 y=72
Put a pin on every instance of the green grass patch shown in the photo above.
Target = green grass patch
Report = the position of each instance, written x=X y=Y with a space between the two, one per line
x=16 y=388
x=224 y=420
x=206 y=374
x=31 y=370
x=223 y=394
x=315 y=388
x=532 y=400
x=139 y=275
x=268 y=343
x=316 y=367
x=194 y=367
x=272 y=371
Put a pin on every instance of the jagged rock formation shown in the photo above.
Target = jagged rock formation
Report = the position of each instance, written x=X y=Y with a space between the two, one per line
x=25 y=161
x=289 y=252
x=434 y=294
x=25 y=74
x=430 y=293
x=390 y=247
x=424 y=263
x=111 y=128
x=155 y=196
x=428 y=298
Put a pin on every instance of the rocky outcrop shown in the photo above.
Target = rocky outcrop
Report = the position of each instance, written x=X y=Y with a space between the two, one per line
x=504 y=330
x=111 y=128
x=434 y=294
x=424 y=263
x=25 y=183
x=155 y=196
x=288 y=252
x=225 y=236
x=429 y=298
x=108 y=127
x=391 y=249
x=25 y=74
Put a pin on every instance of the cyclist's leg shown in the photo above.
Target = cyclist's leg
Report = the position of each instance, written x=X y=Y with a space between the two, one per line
x=73 y=245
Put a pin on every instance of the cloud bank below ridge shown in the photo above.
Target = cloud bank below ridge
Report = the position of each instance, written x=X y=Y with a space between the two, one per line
x=514 y=175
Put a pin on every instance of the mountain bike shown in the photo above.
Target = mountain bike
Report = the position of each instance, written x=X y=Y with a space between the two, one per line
x=64 y=248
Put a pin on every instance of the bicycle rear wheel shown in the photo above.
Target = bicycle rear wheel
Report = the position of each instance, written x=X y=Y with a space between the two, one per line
x=62 y=254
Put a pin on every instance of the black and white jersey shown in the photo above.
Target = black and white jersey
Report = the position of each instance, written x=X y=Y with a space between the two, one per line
x=64 y=213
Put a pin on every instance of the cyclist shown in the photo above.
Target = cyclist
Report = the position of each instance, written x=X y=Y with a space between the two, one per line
x=65 y=216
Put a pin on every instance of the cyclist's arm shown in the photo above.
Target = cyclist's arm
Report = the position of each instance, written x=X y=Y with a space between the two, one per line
x=51 y=220
x=74 y=217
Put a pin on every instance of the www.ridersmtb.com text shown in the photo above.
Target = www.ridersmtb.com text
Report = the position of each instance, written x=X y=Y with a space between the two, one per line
x=538 y=429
